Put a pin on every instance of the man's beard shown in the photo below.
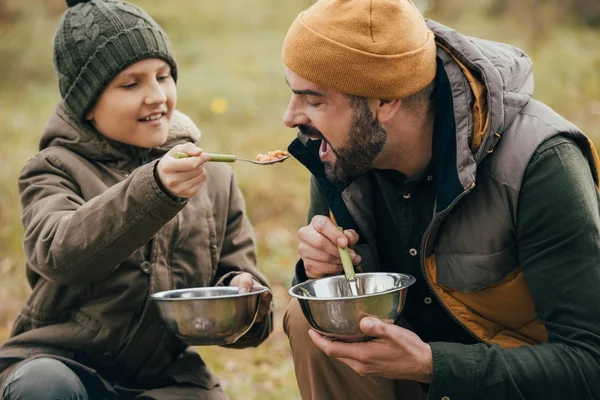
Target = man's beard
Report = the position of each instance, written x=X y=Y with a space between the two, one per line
x=365 y=141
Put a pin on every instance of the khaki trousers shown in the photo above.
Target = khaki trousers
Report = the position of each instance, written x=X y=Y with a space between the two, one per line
x=321 y=377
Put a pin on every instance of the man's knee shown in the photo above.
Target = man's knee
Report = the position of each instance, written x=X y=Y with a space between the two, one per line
x=293 y=319
x=44 y=378
x=296 y=328
x=295 y=324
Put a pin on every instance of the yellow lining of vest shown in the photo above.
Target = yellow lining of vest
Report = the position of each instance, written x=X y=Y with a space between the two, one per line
x=488 y=331
x=506 y=337
x=595 y=158
x=480 y=106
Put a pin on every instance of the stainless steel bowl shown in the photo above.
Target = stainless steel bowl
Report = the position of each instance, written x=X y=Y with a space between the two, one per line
x=208 y=315
x=331 y=310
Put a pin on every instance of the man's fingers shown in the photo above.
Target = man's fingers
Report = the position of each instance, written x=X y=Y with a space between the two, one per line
x=352 y=236
x=331 y=348
x=309 y=252
x=316 y=269
x=375 y=327
x=345 y=352
x=327 y=228
x=310 y=237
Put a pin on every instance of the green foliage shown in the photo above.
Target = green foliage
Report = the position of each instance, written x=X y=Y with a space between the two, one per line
x=231 y=83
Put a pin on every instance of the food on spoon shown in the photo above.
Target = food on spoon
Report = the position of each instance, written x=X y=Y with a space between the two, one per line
x=274 y=155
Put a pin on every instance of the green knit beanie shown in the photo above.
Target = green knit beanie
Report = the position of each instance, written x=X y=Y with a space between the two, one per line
x=97 y=39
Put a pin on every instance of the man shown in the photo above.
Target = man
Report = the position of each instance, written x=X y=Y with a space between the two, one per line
x=429 y=150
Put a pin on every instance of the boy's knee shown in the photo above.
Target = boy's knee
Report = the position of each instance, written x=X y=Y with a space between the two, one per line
x=44 y=378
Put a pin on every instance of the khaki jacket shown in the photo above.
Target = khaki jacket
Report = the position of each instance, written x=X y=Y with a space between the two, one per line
x=100 y=236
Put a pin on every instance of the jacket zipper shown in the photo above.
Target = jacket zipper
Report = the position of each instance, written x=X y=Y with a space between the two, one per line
x=439 y=216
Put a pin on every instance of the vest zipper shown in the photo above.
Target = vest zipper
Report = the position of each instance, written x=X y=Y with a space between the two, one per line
x=439 y=216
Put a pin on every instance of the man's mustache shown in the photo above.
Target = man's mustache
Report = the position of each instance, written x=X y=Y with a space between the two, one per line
x=310 y=131
x=314 y=133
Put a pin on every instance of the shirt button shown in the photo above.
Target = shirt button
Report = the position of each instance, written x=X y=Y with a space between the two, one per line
x=430 y=178
x=406 y=195
x=125 y=175
x=145 y=267
x=412 y=252
x=427 y=300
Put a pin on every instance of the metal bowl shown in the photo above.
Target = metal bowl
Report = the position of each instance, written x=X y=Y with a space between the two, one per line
x=332 y=310
x=208 y=315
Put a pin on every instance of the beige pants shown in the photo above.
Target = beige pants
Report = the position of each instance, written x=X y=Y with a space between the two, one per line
x=321 y=377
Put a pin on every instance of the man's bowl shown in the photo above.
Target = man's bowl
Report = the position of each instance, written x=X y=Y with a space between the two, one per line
x=208 y=315
x=332 y=310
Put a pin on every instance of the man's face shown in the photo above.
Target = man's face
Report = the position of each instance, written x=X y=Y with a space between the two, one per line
x=352 y=138
x=137 y=105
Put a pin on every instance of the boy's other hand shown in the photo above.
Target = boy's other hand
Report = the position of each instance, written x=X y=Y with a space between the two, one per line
x=245 y=282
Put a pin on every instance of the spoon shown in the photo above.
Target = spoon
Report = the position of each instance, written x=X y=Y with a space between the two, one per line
x=347 y=263
x=231 y=158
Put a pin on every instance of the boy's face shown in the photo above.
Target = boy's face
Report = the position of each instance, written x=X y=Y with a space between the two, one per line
x=136 y=106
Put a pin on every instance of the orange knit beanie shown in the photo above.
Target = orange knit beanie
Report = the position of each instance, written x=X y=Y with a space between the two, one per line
x=372 y=48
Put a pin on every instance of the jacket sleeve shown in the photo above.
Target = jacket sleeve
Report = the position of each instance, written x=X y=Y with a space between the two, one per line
x=72 y=241
x=558 y=236
x=238 y=254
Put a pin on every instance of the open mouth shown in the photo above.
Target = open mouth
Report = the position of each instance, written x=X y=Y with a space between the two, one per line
x=324 y=149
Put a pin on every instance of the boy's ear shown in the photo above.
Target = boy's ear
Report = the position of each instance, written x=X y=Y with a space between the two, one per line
x=387 y=109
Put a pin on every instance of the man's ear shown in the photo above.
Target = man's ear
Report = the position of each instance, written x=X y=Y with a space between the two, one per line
x=90 y=115
x=387 y=109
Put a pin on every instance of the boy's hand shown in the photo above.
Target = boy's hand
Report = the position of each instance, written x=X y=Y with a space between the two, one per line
x=245 y=282
x=183 y=177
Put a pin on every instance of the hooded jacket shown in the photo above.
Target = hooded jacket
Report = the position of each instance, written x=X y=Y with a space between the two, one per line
x=100 y=237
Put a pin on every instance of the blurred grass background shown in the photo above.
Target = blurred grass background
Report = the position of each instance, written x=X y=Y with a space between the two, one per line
x=231 y=83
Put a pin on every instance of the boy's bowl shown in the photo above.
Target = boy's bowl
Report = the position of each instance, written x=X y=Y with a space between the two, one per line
x=331 y=310
x=208 y=315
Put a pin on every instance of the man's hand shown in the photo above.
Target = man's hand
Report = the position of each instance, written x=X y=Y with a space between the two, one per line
x=183 y=177
x=318 y=247
x=394 y=353
x=245 y=282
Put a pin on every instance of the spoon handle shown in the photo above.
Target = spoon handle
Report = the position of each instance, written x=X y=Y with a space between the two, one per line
x=213 y=157
x=222 y=157
x=346 y=260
